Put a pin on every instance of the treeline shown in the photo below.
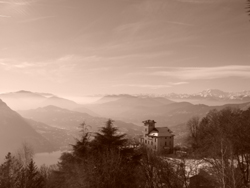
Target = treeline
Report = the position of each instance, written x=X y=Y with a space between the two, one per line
x=20 y=171
x=108 y=161
x=218 y=157
x=104 y=160
x=222 y=140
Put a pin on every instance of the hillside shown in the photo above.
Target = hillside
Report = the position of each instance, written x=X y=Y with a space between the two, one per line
x=15 y=131
x=60 y=138
x=71 y=120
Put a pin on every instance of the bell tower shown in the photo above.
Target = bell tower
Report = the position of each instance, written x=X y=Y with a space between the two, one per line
x=149 y=126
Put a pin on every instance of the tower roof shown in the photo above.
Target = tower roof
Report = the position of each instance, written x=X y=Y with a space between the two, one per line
x=149 y=122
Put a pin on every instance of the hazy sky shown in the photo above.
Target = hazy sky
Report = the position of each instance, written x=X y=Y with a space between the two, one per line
x=82 y=47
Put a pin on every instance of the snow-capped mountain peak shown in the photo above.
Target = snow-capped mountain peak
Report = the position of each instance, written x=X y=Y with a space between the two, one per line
x=213 y=93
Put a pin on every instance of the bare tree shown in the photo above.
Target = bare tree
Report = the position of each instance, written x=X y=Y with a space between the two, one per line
x=25 y=154
x=224 y=143
x=193 y=126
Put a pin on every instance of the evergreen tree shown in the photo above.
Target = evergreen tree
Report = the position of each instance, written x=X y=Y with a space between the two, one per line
x=11 y=173
x=6 y=178
x=34 y=178
x=80 y=149
x=108 y=138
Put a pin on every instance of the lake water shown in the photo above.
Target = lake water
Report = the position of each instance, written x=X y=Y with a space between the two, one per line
x=47 y=158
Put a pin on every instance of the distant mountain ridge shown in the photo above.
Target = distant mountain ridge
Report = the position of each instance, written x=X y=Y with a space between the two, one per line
x=116 y=106
x=71 y=120
x=164 y=111
x=24 y=100
x=129 y=100
x=212 y=97
x=58 y=119
x=214 y=93
x=208 y=97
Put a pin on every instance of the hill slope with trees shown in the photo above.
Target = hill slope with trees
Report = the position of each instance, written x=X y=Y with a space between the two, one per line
x=15 y=131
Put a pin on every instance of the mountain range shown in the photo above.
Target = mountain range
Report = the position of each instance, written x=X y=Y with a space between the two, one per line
x=24 y=100
x=51 y=123
x=46 y=128
x=165 y=112
x=208 y=97
x=71 y=120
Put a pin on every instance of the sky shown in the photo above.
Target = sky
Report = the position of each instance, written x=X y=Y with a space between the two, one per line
x=91 y=47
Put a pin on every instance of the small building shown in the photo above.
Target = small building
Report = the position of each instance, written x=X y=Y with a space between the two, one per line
x=158 y=139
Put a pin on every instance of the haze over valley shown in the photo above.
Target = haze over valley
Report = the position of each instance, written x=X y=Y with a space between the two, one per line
x=51 y=123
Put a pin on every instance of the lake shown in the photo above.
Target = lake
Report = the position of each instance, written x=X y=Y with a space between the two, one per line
x=47 y=158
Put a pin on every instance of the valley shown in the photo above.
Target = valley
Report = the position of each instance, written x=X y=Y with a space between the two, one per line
x=54 y=123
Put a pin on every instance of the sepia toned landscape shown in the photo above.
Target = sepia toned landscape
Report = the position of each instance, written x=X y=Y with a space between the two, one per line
x=124 y=94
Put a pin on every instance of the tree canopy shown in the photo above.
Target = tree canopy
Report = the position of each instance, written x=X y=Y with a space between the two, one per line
x=109 y=138
x=222 y=137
